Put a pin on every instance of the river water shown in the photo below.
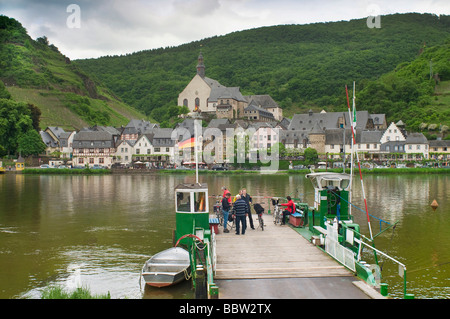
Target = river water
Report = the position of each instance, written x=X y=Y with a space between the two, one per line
x=97 y=231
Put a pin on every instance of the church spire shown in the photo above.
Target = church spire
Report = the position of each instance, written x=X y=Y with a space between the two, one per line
x=201 y=66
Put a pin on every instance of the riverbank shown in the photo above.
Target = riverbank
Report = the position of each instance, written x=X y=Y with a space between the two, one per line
x=64 y=171
x=87 y=171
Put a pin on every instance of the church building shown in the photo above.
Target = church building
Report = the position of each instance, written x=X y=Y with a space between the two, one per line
x=208 y=96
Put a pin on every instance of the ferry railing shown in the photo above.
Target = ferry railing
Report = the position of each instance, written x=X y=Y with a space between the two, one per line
x=370 y=245
x=204 y=267
x=402 y=267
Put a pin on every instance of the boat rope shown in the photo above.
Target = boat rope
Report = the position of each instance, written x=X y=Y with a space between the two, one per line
x=140 y=280
x=186 y=236
x=419 y=269
x=187 y=275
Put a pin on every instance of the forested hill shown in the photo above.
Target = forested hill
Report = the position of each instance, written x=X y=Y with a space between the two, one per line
x=300 y=66
x=36 y=73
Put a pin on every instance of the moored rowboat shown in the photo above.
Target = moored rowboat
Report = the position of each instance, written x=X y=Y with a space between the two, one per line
x=167 y=268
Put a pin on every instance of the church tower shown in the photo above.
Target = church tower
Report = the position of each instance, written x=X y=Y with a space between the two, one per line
x=201 y=66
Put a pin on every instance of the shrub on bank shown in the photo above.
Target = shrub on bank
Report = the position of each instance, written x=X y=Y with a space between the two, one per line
x=57 y=292
x=65 y=171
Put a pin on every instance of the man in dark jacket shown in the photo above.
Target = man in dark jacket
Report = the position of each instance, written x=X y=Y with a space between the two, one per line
x=240 y=209
x=226 y=206
x=248 y=200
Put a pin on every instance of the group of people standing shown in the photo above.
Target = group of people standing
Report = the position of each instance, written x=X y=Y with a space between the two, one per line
x=240 y=208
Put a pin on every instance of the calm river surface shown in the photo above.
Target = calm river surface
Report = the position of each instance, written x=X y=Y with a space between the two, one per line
x=97 y=231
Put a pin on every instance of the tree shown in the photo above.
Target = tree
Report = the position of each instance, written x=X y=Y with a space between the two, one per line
x=311 y=155
x=30 y=143
x=15 y=120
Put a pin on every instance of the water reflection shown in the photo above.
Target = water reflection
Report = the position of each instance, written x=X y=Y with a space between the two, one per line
x=98 y=231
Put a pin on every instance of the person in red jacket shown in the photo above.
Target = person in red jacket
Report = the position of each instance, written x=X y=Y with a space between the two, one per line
x=290 y=209
x=225 y=191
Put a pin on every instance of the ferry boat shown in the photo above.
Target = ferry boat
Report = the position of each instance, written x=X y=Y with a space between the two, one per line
x=329 y=225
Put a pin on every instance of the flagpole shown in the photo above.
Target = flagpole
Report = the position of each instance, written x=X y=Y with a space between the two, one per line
x=357 y=156
x=195 y=152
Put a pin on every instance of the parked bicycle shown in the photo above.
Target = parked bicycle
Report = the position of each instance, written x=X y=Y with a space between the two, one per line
x=259 y=210
x=277 y=211
x=218 y=210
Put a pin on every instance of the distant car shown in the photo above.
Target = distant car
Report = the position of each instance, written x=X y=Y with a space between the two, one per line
x=96 y=166
x=45 y=166
x=62 y=166
x=78 y=167
x=219 y=168
x=299 y=167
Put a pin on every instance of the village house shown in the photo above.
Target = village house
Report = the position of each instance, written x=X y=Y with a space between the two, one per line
x=163 y=146
x=255 y=113
x=94 y=148
x=124 y=152
x=368 y=144
x=267 y=103
x=439 y=149
x=58 y=140
x=392 y=133
x=134 y=128
x=416 y=146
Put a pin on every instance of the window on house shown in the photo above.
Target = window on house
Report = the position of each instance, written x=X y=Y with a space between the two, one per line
x=91 y=160
x=101 y=160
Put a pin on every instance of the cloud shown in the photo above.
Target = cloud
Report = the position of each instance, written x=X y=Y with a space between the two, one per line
x=110 y=27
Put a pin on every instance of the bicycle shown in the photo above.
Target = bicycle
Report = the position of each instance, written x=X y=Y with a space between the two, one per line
x=277 y=212
x=218 y=210
x=259 y=211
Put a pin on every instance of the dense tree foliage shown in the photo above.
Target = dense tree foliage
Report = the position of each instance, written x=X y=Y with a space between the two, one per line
x=298 y=65
x=15 y=122
x=30 y=143
x=407 y=92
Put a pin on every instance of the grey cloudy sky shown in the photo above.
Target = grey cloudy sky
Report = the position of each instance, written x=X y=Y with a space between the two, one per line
x=114 y=27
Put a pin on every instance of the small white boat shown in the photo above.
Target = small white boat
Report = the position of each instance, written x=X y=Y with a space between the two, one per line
x=167 y=268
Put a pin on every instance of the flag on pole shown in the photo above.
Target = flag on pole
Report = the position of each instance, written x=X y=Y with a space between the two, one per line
x=187 y=143
x=354 y=118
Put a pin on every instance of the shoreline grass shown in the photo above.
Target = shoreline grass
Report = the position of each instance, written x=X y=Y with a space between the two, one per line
x=65 y=171
x=57 y=292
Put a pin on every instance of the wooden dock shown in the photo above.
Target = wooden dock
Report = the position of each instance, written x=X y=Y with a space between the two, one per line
x=260 y=263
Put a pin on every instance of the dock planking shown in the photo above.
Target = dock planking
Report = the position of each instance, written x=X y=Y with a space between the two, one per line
x=278 y=263
x=276 y=252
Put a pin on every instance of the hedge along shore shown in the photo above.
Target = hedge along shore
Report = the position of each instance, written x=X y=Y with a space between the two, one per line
x=86 y=171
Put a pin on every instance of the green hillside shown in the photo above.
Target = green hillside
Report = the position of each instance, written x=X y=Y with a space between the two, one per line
x=35 y=72
x=417 y=92
x=300 y=66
